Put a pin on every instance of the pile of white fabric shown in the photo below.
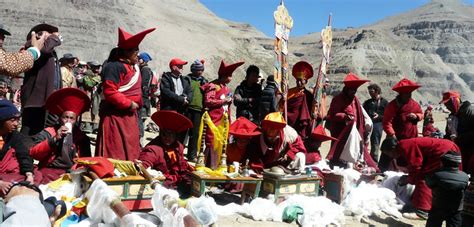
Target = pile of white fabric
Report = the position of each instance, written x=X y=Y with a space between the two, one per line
x=403 y=193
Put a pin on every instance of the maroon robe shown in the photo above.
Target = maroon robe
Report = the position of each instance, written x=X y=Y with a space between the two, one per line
x=340 y=128
x=119 y=135
x=395 y=120
x=176 y=169
x=298 y=111
x=423 y=155
x=260 y=159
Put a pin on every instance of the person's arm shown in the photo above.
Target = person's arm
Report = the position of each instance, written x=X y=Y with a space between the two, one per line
x=295 y=146
x=167 y=93
x=334 y=113
x=188 y=90
x=431 y=180
x=238 y=99
x=13 y=64
x=389 y=115
x=110 y=86
x=413 y=155
x=418 y=112
x=44 y=145
x=20 y=144
x=209 y=97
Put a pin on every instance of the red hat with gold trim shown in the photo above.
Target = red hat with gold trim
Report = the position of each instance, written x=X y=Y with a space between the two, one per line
x=171 y=120
x=243 y=128
x=448 y=95
x=302 y=70
x=129 y=41
x=225 y=69
x=319 y=133
x=68 y=99
x=405 y=86
x=274 y=121
x=353 y=81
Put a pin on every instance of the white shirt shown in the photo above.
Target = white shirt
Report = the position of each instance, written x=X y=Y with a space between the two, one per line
x=178 y=85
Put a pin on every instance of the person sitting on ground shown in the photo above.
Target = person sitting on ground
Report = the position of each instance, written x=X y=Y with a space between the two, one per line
x=318 y=136
x=447 y=185
x=242 y=131
x=56 y=147
x=166 y=154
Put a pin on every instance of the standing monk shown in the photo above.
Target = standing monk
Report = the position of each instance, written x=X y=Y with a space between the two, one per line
x=350 y=124
x=401 y=116
x=119 y=135
x=423 y=157
x=460 y=127
x=300 y=100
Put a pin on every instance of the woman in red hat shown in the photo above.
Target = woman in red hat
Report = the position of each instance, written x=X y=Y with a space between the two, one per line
x=401 y=116
x=119 y=135
x=166 y=154
x=300 y=100
x=56 y=147
x=350 y=124
x=242 y=131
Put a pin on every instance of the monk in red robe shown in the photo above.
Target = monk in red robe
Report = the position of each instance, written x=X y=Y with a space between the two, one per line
x=423 y=157
x=217 y=99
x=15 y=162
x=166 y=154
x=119 y=135
x=56 y=147
x=300 y=100
x=351 y=125
x=401 y=117
x=279 y=144
x=318 y=136
x=242 y=131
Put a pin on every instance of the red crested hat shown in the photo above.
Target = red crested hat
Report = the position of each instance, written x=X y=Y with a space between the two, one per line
x=129 y=41
x=225 y=69
x=353 y=81
x=302 y=70
x=319 y=133
x=273 y=121
x=177 y=61
x=171 y=120
x=100 y=165
x=68 y=99
x=448 y=95
x=243 y=128
x=405 y=86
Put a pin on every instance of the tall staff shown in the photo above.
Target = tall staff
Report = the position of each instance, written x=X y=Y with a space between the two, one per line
x=319 y=93
x=283 y=25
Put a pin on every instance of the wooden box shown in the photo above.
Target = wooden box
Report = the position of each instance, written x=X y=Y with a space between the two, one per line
x=282 y=187
x=334 y=186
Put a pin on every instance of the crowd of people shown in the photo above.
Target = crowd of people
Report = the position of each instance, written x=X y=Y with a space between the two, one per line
x=63 y=99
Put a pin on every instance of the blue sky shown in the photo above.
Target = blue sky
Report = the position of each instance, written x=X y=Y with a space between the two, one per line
x=311 y=15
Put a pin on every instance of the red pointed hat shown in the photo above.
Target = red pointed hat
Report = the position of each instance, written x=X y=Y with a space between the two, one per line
x=68 y=99
x=319 y=133
x=171 y=120
x=448 y=95
x=302 y=70
x=129 y=41
x=274 y=121
x=243 y=128
x=225 y=69
x=405 y=86
x=353 y=81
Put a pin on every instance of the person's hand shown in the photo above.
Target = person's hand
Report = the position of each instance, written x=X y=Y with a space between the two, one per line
x=37 y=42
x=134 y=106
x=186 y=102
x=62 y=131
x=55 y=215
x=349 y=117
x=403 y=180
x=283 y=159
x=228 y=100
x=5 y=186
x=29 y=177
x=251 y=100
x=375 y=116
x=412 y=116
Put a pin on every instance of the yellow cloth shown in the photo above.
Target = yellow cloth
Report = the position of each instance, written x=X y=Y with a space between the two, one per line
x=221 y=132
x=127 y=167
x=55 y=185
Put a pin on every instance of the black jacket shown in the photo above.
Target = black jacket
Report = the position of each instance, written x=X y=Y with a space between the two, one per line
x=268 y=103
x=242 y=96
x=373 y=106
x=21 y=144
x=447 y=187
x=147 y=76
x=169 y=100
x=465 y=130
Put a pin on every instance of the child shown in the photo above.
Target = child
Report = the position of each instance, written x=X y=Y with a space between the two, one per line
x=447 y=186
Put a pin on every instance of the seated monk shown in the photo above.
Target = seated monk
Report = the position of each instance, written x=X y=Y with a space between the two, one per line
x=56 y=147
x=242 y=131
x=15 y=162
x=318 y=135
x=279 y=144
x=166 y=154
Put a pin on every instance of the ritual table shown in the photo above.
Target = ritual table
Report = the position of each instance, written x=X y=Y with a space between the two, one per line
x=282 y=186
x=201 y=179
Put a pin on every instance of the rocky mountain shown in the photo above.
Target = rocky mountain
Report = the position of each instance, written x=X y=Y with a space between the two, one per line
x=432 y=44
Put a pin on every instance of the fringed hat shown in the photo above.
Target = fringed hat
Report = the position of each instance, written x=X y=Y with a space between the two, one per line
x=243 y=128
x=353 y=81
x=319 y=133
x=405 y=86
x=302 y=70
x=274 y=121
x=129 y=41
x=225 y=69
x=171 y=120
x=68 y=99
x=449 y=95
